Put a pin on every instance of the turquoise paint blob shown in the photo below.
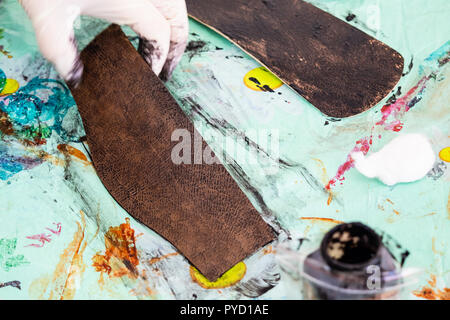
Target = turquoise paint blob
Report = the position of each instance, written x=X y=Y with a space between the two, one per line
x=35 y=111
x=40 y=103
x=2 y=80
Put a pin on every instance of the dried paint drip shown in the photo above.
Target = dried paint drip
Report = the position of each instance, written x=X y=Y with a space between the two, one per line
x=229 y=278
x=388 y=164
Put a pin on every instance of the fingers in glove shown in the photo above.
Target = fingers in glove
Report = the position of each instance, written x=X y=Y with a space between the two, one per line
x=144 y=19
x=53 y=25
x=175 y=13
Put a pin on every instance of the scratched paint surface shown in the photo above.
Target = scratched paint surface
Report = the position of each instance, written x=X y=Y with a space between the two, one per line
x=62 y=236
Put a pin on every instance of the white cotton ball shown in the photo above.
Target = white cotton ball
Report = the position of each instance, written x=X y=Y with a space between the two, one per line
x=406 y=158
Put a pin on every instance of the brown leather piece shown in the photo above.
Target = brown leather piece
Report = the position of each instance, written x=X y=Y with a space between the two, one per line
x=341 y=70
x=129 y=117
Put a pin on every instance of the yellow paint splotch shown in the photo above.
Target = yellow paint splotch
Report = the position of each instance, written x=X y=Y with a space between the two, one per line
x=229 y=278
x=261 y=79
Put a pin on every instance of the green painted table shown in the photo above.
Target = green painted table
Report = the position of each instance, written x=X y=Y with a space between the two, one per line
x=62 y=236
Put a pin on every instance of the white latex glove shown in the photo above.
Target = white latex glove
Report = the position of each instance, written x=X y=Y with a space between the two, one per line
x=162 y=26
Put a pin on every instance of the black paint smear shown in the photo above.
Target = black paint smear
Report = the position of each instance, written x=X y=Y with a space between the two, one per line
x=259 y=285
x=264 y=88
x=444 y=60
x=334 y=119
x=195 y=47
x=234 y=56
x=15 y=284
x=350 y=17
x=396 y=250
x=437 y=171
x=413 y=102
x=410 y=66
x=326 y=123
x=219 y=48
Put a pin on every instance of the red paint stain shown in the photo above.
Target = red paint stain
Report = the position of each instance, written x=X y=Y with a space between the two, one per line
x=120 y=257
x=58 y=229
x=400 y=106
x=362 y=145
x=42 y=238
x=389 y=111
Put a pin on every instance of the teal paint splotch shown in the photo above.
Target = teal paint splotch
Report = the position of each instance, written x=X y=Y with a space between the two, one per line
x=8 y=259
x=2 y=79
x=35 y=112
x=40 y=101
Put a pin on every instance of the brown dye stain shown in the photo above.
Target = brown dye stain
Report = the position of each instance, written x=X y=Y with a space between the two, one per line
x=6 y=126
x=74 y=152
x=431 y=293
x=322 y=219
x=396 y=212
x=62 y=284
x=158 y=259
x=390 y=201
x=120 y=257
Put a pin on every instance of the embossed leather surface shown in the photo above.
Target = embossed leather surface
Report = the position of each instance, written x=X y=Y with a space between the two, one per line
x=129 y=117
x=341 y=70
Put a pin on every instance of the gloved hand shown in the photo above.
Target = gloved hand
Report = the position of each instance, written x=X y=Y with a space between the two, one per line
x=162 y=26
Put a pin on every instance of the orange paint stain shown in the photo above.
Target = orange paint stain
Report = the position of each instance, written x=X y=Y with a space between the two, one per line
x=431 y=293
x=390 y=201
x=74 y=152
x=63 y=283
x=325 y=179
x=120 y=258
x=396 y=212
x=157 y=259
x=268 y=250
x=330 y=198
x=322 y=219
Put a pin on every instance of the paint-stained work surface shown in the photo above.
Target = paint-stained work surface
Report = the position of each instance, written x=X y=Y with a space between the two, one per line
x=54 y=205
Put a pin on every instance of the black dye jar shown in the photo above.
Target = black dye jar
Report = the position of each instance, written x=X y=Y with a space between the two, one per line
x=351 y=263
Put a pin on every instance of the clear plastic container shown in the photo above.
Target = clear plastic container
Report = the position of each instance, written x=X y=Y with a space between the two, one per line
x=370 y=274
